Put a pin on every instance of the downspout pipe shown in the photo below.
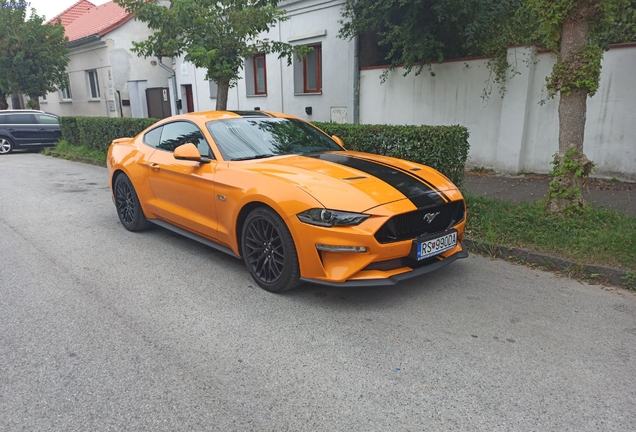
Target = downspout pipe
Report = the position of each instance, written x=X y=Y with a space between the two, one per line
x=121 y=108
x=173 y=75
x=356 y=80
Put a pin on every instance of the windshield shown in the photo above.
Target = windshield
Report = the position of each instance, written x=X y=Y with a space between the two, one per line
x=252 y=138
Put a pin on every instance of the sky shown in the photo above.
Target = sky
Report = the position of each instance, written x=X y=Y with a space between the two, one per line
x=50 y=8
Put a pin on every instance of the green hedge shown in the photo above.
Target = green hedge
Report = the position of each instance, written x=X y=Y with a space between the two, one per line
x=99 y=132
x=444 y=148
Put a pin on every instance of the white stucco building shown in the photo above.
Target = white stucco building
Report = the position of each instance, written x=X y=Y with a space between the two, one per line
x=105 y=77
x=320 y=88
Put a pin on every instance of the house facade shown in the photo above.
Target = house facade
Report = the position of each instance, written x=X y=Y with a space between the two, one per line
x=105 y=77
x=318 y=88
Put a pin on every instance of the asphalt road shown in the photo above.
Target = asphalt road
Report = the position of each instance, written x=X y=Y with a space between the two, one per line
x=102 y=329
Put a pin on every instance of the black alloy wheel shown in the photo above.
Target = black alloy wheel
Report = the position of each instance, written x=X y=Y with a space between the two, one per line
x=6 y=146
x=128 y=207
x=269 y=251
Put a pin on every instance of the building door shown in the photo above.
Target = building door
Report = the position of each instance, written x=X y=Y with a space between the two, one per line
x=188 y=95
x=158 y=99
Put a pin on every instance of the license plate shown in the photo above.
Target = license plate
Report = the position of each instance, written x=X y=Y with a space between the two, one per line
x=426 y=248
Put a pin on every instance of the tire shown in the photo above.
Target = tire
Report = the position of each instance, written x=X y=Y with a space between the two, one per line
x=6 y=145
x=269 y=252
x=129 y=210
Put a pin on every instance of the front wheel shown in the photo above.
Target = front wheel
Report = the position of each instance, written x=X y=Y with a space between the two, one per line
x=128 y=208
x=6 y=146
x=269 y=251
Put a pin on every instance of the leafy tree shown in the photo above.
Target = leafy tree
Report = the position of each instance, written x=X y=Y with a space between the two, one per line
x=415 y=33
x=11 y=19
x=216 y=35
x=574 y=30
x=32 y=54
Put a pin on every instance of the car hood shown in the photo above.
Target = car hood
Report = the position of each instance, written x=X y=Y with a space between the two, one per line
x=357 y=181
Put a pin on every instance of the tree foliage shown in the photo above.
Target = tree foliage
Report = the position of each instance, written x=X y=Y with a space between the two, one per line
x=32 y=54
x=216 y=35
x=415 y=33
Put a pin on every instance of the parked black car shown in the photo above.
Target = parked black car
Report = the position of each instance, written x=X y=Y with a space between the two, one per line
x=21 y=129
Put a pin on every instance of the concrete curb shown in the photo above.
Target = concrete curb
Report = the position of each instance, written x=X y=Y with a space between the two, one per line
x=598 y=273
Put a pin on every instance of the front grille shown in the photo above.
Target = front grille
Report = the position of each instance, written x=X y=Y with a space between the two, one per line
x=411 y=225
x=401 y=262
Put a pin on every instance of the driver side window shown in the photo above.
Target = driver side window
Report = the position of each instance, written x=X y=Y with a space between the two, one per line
x=181 y=132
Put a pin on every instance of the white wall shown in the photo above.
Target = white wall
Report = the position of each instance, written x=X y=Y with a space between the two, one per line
x=116 y=66
x=518 y=132
x=87 y=57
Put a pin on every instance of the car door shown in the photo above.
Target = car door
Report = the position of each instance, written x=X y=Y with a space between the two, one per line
x=183 y=190
x=48 y=128
x=22 y=129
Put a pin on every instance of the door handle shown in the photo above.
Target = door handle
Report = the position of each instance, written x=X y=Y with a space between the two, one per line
x=154 y=166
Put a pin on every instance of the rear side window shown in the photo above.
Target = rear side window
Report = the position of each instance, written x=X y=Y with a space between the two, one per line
x=153 y=137
x=46 y=119
x=19 y=119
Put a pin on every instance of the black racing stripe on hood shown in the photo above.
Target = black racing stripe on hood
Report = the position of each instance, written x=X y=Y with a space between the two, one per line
x=409 y=173
x=420 y=194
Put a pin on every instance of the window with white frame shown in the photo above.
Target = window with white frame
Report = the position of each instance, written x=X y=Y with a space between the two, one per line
x=93 y=84
x=65 y=91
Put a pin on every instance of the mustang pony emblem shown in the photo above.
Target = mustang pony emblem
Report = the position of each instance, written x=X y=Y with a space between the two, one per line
x=428 y=217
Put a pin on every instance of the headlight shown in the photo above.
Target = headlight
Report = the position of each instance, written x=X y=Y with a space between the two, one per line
x=329 y=218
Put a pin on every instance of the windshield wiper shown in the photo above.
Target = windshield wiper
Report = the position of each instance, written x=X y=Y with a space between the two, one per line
x=262 y=156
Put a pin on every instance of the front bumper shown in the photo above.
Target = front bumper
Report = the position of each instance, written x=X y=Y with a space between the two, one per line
x=392 y=280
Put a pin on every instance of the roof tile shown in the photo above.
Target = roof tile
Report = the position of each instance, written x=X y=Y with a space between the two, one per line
x=97 y=21
x=73 y=12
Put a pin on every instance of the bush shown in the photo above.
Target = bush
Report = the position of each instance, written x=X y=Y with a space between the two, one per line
x=99 y=132
x=444 y=148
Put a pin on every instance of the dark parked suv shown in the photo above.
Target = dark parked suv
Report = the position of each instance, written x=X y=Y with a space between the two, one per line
x=20 y=129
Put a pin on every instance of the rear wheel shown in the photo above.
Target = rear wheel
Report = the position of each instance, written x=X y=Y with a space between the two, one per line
x=6 y=146
x=128 y=208
x=269 y=251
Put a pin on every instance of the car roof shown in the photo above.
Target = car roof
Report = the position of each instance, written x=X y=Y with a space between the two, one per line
x=28 y=111
x=206 y=116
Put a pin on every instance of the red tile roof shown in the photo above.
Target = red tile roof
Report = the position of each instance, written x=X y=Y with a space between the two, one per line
x=97 y=21
x=73 y=12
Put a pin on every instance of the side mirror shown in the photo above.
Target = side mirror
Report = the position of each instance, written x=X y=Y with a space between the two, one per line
x=189 y=152
x=338 y=140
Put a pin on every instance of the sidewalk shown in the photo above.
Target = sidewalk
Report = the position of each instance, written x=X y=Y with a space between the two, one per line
x=619 y=196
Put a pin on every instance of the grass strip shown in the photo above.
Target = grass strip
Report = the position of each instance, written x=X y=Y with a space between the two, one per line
x=597 y=236
x=83 y=153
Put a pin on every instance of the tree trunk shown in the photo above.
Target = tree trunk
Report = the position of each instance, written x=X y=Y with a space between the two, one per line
x=573 y=107
x=221 y=93
x=3 y=101
x=564 y=191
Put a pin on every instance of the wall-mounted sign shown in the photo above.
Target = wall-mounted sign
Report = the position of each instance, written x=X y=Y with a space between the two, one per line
x=165 y=95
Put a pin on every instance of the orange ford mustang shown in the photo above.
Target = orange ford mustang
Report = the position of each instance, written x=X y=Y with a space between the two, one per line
x=288 y=199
